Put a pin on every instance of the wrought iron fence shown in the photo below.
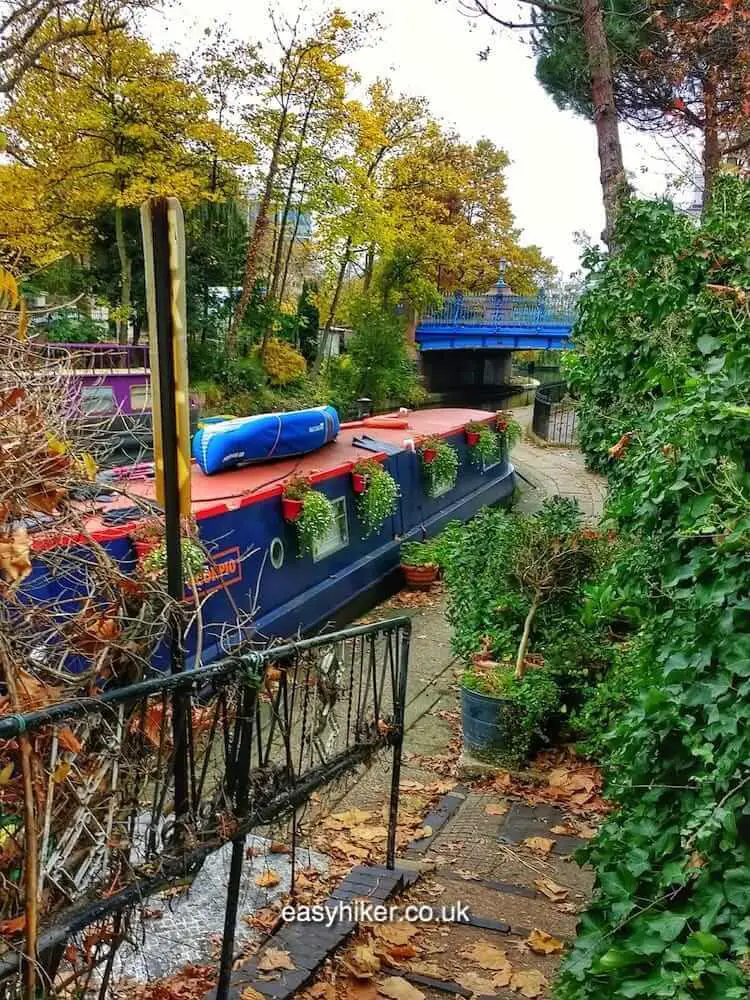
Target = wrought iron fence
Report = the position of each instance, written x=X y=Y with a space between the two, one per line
x=509 y=310
x=555 y=415
x=105 y=824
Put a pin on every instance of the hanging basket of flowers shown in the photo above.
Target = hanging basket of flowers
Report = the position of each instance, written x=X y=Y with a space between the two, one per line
x=376 y=499
x=292 y=499
x=439 y=465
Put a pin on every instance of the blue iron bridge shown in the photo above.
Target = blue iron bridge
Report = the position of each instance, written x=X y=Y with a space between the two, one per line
x=500 y=321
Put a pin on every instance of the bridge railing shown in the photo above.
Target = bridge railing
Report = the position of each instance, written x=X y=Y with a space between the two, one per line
x=501 y=311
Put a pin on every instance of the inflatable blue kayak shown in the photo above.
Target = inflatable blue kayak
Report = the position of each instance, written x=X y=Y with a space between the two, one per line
x=227 y=444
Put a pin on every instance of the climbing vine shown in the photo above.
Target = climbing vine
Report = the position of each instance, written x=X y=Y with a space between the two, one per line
x=663 y=372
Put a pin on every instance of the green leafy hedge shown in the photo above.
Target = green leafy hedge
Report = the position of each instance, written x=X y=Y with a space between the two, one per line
x=665 y=357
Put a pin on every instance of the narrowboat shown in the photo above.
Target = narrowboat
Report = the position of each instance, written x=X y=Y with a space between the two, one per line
x=256 y=585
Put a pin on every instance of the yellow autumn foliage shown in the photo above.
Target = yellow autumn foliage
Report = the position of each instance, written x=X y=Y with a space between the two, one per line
x=282 y=363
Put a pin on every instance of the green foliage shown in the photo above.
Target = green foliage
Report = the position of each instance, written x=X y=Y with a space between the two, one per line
x=308 y=317
x=672 y=908
x=193 y=560
x=77 y=329
x=534 y=701
x=377 y=365
x=418 y=554
x=378 y=502
x=315 y=521
x=442 y=471
x=488 y=448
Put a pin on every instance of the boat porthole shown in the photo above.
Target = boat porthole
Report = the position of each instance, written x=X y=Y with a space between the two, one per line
x=277 y=553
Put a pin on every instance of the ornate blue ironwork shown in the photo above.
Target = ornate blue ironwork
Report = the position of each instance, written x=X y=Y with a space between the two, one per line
x=498 y=320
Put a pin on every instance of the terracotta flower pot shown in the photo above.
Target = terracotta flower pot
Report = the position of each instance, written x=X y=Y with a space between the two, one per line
x=472 y=438
x=359 y=482
x=145 y=547
x=429 y=455
x=420 y=577
x=291 y=509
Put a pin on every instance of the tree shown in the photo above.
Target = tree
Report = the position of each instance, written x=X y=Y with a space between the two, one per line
x=103 y=126
x=308 y=65
x=681 y=71
x=584 y=19
x=31 y=30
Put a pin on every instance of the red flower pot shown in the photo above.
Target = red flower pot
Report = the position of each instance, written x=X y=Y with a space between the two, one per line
x=359 y=482
x=145 y=547
x=420 y=577
x=429 y=455
x=472 y=438
x=291 y=509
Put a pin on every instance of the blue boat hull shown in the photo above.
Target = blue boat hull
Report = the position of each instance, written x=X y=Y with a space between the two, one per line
x=257 y=587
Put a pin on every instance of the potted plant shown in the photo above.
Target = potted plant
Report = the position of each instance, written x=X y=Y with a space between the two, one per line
x=419 y=564
x=296 y=489
x=154 y=564
x=377 y=501
x=508 y=428
x=147 y=536
x=503 y=716
x=314 y=521
x=439 y=464
x=486 y=447
x=472 y=431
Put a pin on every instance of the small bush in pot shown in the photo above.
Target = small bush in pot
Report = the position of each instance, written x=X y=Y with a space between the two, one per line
x=439 y=464
x=296 y=489
x=315 y=520
x=505 y=718
x=154 y=565
x=147 y=536
x=377 y=500
x=419 y=564
x=509 y=429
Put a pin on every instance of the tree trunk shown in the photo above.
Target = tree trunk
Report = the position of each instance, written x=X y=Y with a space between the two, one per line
x=125 y=277
x=260 y=229
x=292 y=241
x=369 y=267
x=289 y=195
x=605 y=113
x=336 y=297
x=711 y=141
x=524 y=644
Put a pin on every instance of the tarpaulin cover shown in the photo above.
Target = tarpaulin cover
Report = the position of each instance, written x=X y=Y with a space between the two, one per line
x=229 y=443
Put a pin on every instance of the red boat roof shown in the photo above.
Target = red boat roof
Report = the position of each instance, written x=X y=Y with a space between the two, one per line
x=235 y=488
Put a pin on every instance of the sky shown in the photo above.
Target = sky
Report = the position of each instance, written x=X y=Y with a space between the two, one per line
x=431 y=50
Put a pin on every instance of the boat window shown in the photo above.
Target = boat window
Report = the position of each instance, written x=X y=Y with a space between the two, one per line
x=439 y=489
x=277 y=553
x=140 y=397
x=98 y=399
x=338 y=537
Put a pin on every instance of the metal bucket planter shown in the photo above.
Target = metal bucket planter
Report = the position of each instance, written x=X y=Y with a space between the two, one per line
x=489 y=725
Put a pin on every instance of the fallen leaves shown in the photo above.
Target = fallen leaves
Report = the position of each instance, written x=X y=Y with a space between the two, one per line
x=274 y=960
x=361 y=961
x=496 y=809
x=486 y=956
x=557 y=893
x=68 y=740
x=529 y=983
x=397 y=988
x=542 y=943
x=423 y=833
x=267 y=879
x=15 y=556
x=539 y=845
x=398 y=933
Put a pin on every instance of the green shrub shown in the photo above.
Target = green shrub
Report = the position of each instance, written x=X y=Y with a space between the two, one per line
x=418 y=554
x=75 y=330
x=442 y=471
x=379 y=500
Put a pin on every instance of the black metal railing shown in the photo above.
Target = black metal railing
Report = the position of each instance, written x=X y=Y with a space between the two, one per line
x=263 y=730
x=555 y=414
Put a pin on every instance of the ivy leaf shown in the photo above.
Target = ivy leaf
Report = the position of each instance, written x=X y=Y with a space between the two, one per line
x=700 y=944
x=708 y=344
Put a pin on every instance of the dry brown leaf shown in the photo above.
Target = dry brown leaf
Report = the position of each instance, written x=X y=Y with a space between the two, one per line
x=402 y=951
x=368 y=833
x=543 y=943
x=322 y=991
x=350 y=850
x=485 y=955
x=68 y=740
x=564 y=830
x=398 y=989
x=362 y=962
x=358 y=989
x=396 y=933
x=250 y=994
x=529 y=983
x=278 y=848
x=349 y=818
x=496 y=809
x=431 y=969
x=586 y=832
x=14 y=925
x=502 y=978
x=478 y=985
x=267 y=879
x=274 y=959
x=551 y=889
x=423 y=833
x=540 y=845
